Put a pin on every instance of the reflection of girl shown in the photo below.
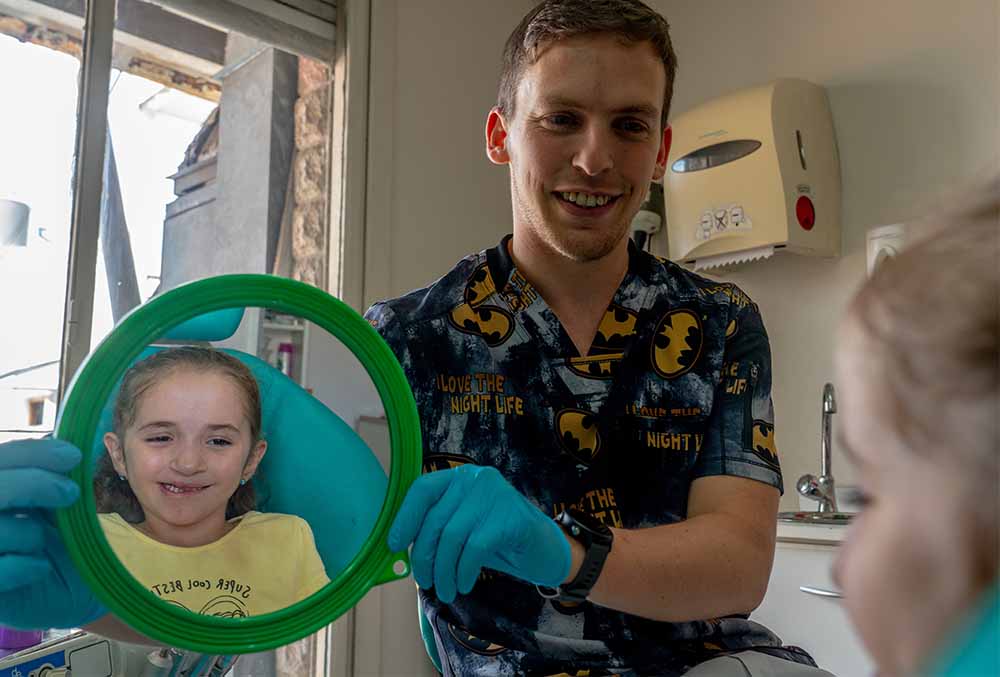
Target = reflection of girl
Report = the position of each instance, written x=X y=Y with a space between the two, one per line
x=176 y=495
x=918 y=366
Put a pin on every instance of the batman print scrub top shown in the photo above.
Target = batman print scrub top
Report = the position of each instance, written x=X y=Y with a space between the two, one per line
x=676 y=386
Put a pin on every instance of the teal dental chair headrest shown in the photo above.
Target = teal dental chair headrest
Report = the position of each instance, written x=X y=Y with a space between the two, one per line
x=215 y=326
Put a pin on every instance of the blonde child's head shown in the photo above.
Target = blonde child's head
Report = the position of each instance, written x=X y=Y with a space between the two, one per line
x=917 y=362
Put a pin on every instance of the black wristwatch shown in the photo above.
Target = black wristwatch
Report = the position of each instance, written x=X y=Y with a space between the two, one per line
x=596 y=539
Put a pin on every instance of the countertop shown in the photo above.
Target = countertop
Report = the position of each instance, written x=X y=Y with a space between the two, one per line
x=821 y=534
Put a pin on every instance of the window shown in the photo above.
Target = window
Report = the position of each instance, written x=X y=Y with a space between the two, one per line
x=122 y=172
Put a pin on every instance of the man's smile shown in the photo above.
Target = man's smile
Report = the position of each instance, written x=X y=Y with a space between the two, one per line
x=581 y=203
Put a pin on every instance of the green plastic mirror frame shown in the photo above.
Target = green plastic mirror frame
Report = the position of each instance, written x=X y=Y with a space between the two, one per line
x=92 y=386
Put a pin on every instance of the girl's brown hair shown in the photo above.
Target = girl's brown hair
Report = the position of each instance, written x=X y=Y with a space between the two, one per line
x=113 y=494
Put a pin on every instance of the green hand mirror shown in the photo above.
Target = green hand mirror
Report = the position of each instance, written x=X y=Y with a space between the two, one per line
x=318 y=474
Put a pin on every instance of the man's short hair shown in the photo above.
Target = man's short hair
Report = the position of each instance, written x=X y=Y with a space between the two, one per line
x=551 y=20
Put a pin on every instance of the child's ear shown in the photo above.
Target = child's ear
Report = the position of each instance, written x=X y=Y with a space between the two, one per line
x=253 y=460
x=117 y=454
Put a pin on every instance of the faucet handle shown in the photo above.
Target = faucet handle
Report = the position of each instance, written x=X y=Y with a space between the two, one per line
x=808 y=486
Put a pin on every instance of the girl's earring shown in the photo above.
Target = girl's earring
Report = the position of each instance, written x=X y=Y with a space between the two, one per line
x=121 y=477
x=242 y=482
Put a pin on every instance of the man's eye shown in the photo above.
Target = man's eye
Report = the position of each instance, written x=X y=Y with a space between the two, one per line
x=560 y=120
x=633 y=126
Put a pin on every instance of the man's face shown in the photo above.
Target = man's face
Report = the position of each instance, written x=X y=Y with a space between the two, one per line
x=583 y=144
x=904 y=568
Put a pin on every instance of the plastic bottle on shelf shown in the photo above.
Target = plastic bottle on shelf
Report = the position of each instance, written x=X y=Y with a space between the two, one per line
x=285 y=351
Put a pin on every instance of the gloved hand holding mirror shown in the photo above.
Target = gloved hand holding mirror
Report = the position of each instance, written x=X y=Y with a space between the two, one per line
x=225 y=508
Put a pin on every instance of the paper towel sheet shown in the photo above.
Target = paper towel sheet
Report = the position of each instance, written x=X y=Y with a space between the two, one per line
x=721 y=260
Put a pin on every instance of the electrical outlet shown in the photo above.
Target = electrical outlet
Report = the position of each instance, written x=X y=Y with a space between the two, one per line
x=883 y=243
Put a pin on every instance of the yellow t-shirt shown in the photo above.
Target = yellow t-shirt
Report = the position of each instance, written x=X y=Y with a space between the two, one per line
x=267 y=562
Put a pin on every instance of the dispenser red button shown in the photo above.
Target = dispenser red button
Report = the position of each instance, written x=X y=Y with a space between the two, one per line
x=805 y=212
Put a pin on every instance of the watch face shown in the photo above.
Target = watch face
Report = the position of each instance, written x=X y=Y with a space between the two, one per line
x=597 y=529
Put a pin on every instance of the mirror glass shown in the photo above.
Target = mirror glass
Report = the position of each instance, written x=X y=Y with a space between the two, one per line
x=222 y=514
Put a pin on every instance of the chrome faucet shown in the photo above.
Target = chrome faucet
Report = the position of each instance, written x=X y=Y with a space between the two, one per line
x=821 y=488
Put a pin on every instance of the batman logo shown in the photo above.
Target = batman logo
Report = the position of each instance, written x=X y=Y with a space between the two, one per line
x=763 y=443
x=474 y=644
x=730 y=329
x=433 y=462
x=479 y=287
x=677 y=343
x=617 y=326
x=597 y=366
x=492 y=324
x=578 y=434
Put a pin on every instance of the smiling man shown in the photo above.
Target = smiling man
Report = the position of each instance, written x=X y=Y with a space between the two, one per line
x=601 y=481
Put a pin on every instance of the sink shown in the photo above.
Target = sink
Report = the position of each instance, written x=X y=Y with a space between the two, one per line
x=814 y=517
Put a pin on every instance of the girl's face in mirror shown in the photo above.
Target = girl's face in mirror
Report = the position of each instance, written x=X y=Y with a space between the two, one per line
x=185 y=454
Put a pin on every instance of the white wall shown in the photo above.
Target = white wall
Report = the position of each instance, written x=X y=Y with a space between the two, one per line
x=913 y=85
x=914 y=88
x=433 y=197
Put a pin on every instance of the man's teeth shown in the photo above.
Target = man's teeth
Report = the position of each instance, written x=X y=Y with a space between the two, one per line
x=586 y=199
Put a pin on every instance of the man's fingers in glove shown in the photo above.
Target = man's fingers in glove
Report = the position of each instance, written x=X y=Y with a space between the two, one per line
x=425 y=491
x=20 y=535
x=462 y=523
x=437 y=518
x=55 y=455
x=19 y=571
x=26 y=488
x=478 y=547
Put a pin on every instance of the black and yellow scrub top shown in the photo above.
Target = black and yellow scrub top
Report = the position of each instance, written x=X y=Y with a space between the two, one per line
x=676 y=386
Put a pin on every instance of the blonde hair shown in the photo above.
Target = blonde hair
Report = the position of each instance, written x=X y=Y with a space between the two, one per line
x=931 y=318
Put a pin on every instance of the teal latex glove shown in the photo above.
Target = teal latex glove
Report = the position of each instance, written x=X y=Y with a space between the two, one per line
x=39 y=587
x=466 y=518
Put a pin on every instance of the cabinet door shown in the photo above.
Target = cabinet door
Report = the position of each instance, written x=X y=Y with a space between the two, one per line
x=817 y=624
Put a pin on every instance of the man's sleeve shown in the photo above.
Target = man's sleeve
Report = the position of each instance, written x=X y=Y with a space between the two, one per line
x=739 y=440
x=383 y=319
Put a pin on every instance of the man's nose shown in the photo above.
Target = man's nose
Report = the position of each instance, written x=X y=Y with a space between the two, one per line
x=595 y=153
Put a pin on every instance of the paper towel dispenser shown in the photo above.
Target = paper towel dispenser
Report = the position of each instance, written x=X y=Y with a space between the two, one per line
x=754 y=172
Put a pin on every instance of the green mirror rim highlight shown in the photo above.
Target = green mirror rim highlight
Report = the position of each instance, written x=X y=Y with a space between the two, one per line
x=77 y=423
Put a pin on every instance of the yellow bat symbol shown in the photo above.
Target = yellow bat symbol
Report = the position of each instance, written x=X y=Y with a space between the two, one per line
x=677 y=344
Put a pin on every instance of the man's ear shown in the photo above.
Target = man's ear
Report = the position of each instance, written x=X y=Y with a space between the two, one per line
x=664 y=152
x=496 y=138
x=117 y=454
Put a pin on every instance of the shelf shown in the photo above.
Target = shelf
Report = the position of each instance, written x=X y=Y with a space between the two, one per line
x=280 y=326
